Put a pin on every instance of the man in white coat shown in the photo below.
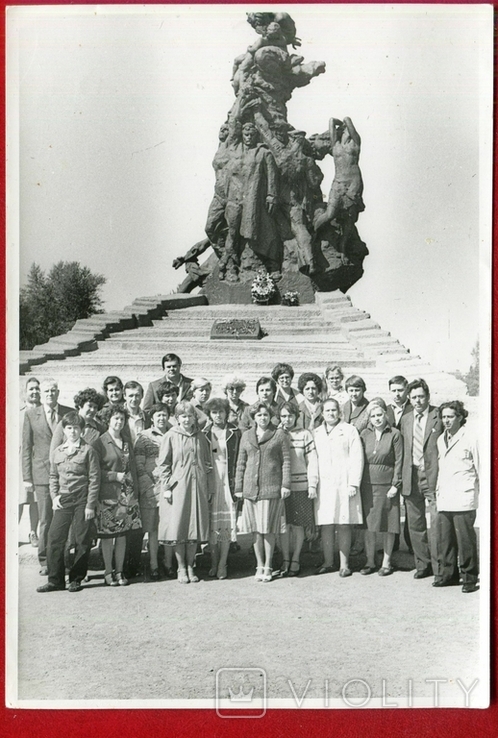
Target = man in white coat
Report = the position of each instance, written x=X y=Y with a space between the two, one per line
x=457 y=500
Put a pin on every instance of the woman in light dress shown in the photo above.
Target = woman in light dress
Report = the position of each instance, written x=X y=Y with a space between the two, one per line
x=340 y=468
x=224 y=440
x=299 y=507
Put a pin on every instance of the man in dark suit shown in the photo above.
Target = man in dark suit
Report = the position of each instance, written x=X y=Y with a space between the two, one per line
x=399 y=404
x=172 y=365
x=420 y=430
x=397 y=407
x=39 y=424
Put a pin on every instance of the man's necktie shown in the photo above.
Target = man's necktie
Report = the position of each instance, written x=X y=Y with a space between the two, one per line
x=418 y=441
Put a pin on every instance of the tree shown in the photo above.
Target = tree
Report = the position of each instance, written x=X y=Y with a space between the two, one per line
x=51 y=303
x=471 y=378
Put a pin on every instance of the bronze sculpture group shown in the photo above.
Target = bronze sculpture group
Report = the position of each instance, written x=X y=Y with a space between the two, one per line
x=268 y=209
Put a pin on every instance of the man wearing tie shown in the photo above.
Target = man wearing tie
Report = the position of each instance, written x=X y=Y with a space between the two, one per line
x=38 y=427
x=420 y=430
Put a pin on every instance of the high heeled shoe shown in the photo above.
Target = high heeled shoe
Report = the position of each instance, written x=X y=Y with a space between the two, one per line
x=222 y=572
x=260 y=572
x=192 y=575
x=267 y=574
x=284 y=569
x=121 y=580
x=294 y=569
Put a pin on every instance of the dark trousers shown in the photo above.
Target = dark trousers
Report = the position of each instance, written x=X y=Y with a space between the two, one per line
x=72 y=512
x=457 y=538
x=133 y=556
x=44 y=502
x=424 y=542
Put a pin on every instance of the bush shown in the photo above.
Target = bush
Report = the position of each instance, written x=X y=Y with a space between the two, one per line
x=51 y=303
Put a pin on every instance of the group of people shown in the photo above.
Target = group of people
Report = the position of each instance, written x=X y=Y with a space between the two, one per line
x=187 y=470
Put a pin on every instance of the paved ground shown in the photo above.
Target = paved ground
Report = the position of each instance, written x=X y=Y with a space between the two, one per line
x=166 y=641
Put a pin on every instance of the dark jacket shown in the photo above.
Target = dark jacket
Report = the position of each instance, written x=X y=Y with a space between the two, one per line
x=383 y=460
x=356 y=416
x=304 y=417
x=247 y=422
x=263 y=467
x=433 y=430
x=233 y=443
x=36 y=440
x=390 y=414
x=152 y=398
x=112 y=461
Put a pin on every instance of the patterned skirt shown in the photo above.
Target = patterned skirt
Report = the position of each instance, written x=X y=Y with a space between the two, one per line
x=115 y=518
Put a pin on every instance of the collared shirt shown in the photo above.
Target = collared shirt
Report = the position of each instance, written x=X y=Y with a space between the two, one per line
x=136 y=424
x=423 y=424
x=71 y=448
x=52 y=421
x=398 y=411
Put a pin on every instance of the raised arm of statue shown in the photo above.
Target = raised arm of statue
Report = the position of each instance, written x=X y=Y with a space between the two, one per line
x=352 y=131
x=197 y=249
x=335 y=125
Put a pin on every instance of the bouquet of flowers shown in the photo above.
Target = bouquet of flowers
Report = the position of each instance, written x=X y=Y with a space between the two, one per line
x=290 y=298
x=263 y=287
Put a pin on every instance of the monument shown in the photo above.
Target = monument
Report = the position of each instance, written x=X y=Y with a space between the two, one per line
x=268 y=219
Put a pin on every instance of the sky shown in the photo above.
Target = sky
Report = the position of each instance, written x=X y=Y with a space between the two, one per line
x=113 y=119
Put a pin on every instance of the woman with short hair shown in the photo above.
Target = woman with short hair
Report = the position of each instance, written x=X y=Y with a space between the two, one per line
x=88 y=403
x=299 y=506
x=118 y=510
x=146 y=453
x=334 y=390
x=266 y=388
x=113 y=390
x=381 y=484
x=263 y=480
x=338 y=503
x=283 y=374
x=310 y=409
x=184 y=468
x=354 y=410
x=224 y=440
x=201 y=390
x=233 y=386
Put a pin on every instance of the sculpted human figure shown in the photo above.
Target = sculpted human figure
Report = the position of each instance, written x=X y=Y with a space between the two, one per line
x=229 y=137
x=271 y=36
x=251 y=196
x=345 y=197
x=299 y=187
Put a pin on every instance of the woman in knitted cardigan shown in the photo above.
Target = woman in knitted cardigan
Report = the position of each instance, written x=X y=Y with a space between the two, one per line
x=263 y=479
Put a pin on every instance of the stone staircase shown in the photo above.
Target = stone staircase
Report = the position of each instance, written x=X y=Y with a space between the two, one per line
x=309 y=337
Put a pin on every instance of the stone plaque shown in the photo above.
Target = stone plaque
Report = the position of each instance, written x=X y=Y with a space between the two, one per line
x=248 y=330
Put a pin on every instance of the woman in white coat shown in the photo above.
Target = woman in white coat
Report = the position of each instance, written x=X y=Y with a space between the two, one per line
x=340 y=468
